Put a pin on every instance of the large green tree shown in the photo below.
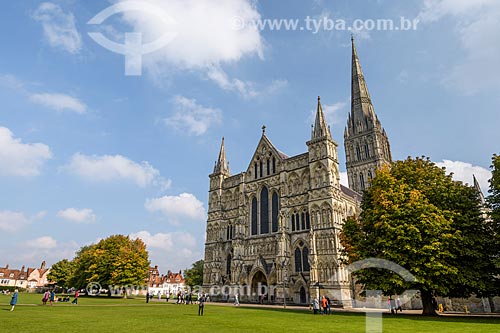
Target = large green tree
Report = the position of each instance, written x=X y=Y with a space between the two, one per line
x=194 y=275
x=494 y=205
x=418 y=217
x=116 y=260
x=62 y=273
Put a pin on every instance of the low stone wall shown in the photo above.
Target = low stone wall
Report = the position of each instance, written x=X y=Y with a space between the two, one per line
x=472 y=304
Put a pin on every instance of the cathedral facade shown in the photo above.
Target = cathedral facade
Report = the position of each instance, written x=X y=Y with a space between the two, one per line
x=273 y=230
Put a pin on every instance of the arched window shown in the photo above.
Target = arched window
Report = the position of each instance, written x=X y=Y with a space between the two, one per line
x=268 y=167
x=264 y=211
x=303 y=221
x=361 y=181
x=260 y=164
x=274 y=164
x=227 y=233
x=370 y=176
x=254 y=216
x=358 y=153
x=255 y=169
x=367 y=151
x=297 y=222
x=228 y=267
x=298 y=260
x=308 y=221
x=293 y=222
x=305 y=259
x=274 y=212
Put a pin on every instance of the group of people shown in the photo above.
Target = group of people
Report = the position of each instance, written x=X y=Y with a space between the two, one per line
x=394 y=305
x=321 y=305
x=50 y=296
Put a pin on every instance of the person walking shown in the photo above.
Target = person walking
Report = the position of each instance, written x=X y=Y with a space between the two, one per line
x=324 y=305
x=328 y=306
x=159 y=295
x=315 y=305
x=236 y=300
x=147 y=297
x=398 y=305
x=75 y=301
x=45 y=298
x=201 y=305
x=52 y=297
x=13 y=300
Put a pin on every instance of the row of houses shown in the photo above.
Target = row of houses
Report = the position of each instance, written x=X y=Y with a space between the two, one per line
x=26 y=278
x=168 y=284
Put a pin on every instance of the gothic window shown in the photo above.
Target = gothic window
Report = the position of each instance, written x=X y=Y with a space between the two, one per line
x=255 y=169
x=370 y=176
x=293 y=222
x=358 y=153
x=254 y=216
x=361 y=181
x=367 y=151
x=268 y=167
x=308 y=221
x=298 y=260
x=260 y=168
x=274 y=164
x=228 y=267
x=264 y=211
x=303 y=221
x=274 y=212
x=227 y=233
x=297 y=222
x=305 y=259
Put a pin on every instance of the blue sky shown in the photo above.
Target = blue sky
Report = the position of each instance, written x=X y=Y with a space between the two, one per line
x=87 y=151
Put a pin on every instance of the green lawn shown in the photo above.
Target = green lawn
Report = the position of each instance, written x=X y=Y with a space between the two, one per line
x=133 y=315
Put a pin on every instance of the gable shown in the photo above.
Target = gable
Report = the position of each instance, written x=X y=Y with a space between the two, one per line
x=265 y=161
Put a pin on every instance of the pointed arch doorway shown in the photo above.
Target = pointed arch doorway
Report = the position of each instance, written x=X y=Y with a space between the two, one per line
x=303 y=295
x=259 y=287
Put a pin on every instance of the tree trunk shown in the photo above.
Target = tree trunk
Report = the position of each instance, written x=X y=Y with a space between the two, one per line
x=428 y=307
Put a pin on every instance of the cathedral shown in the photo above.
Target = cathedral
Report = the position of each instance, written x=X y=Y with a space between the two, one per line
x=272 y=232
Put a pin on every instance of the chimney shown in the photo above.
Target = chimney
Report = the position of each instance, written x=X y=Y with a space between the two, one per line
x=22 y=269
x=43 y=265
x=7 y=266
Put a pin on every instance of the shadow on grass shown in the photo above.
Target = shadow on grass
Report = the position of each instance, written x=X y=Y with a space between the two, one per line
x=387 y=316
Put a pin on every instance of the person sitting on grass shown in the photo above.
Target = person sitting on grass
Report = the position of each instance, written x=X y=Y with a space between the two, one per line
x=13 y=300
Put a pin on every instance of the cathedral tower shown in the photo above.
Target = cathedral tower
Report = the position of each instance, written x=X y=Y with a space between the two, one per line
x=366 y=143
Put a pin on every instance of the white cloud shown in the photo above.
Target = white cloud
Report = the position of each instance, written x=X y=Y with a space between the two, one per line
x=59 y=27
x=115 y=167
x=171 y=251
x=59 y=102
x=463 y=171
x=344 y=179
x=206 y=38
x=12 y=221
x=176 y=208
x=191 y=117
x=476 y=26
x=21 y=159
x=44 y=242
x=85 y=215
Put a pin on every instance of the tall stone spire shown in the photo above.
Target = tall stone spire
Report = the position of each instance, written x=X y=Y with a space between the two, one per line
x=366 y=143
x=362 y=115
x=221 y=166
x=478 y=189
x=321 y=128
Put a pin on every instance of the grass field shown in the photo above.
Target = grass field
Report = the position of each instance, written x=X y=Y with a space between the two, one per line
x=134 y=315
